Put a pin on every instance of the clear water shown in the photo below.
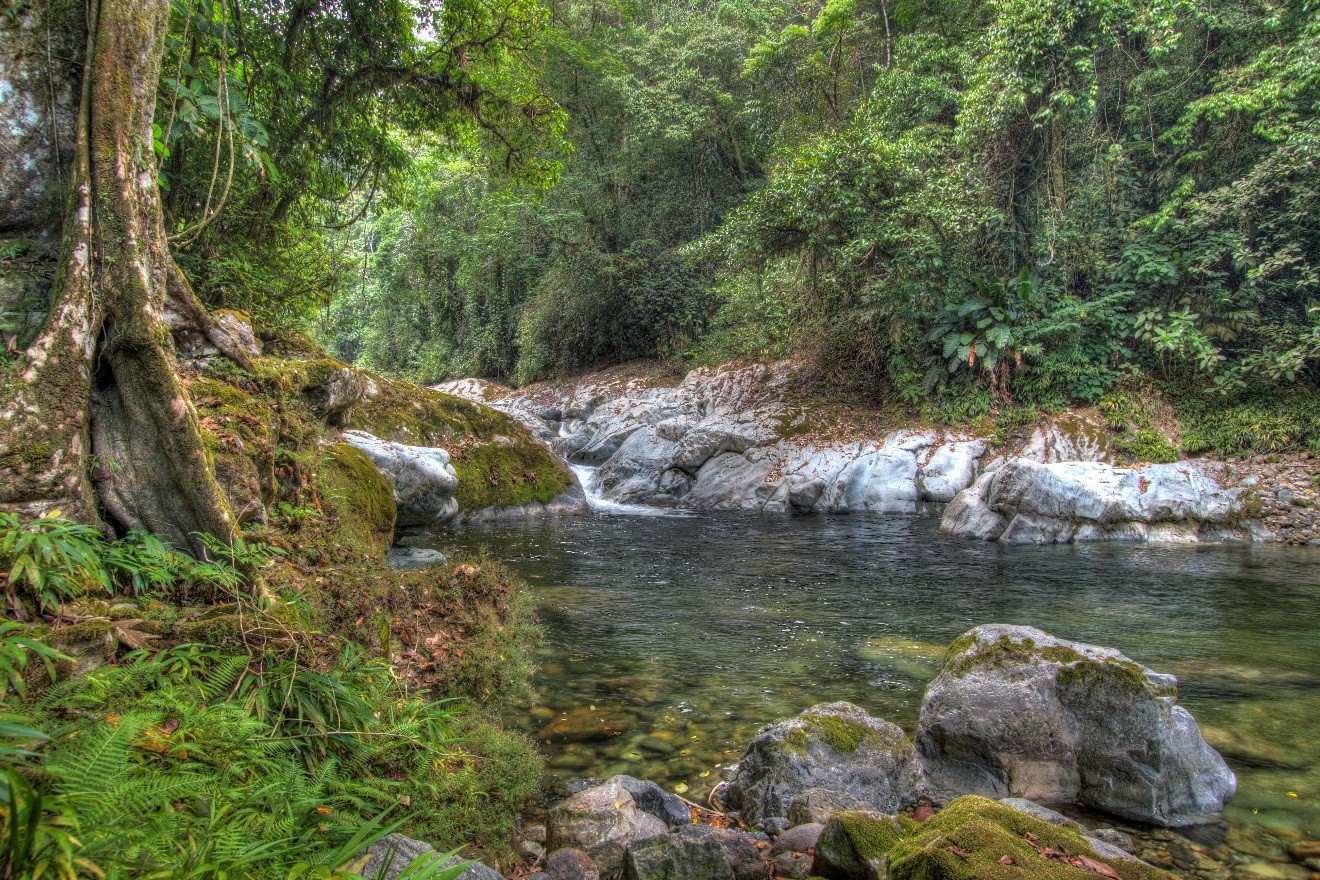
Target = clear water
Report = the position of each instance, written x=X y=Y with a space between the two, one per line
x=678 y=637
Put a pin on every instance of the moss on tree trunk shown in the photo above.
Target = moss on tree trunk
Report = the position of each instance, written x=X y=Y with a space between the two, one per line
x=100 y=384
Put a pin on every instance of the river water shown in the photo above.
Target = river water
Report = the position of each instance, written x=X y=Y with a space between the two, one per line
x=671 y=639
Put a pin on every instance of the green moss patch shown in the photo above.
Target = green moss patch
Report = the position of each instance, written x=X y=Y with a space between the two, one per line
x=841 y=734
x=359 y=497
x=967 y=654
x=498 y=462
x=972 y=839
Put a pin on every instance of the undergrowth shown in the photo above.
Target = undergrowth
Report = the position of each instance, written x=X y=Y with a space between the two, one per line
x=265 y=747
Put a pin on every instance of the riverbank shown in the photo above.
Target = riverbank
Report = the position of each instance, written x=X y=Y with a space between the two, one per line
x=763 y=437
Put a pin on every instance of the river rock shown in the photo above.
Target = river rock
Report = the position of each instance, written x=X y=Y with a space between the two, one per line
x=1027 y=502
x=971 y=839
x=666 y=807
x=570 y=864
x=585 y=724
x=603 y=822
x=724 y=438
x=414 y=558
x=1041 y=812
x=422 y=477
x=834 y=746
x=798 y=839
x=792 y=865
x=853 y=845
x=1018 y=713
x=743 y=852
x=389 y=857
x=816 y=805
x=691 y=853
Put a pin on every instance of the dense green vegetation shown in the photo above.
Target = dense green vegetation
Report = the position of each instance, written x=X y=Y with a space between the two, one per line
x=178 y=718
x=959 y=203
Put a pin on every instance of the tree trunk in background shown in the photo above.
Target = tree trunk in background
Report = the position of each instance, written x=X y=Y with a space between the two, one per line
x=97 y=420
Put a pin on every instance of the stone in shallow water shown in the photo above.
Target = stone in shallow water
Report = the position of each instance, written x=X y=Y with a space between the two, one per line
x=1017 y=712
x=835 y=746
x=585 y=724
x=414 y=558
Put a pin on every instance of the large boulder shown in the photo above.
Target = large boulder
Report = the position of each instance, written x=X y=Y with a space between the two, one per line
x=1018 y=713
x=602 y=821
x=1027 y=502
x=422 y=477
x=971 y=839
x=835 y=746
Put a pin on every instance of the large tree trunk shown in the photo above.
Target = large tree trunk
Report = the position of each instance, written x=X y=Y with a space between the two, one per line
x=100 y=423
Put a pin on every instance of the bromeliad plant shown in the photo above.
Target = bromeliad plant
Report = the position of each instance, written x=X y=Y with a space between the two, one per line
x=980 y=333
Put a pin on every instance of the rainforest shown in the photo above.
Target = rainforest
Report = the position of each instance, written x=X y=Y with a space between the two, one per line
x=659 y=439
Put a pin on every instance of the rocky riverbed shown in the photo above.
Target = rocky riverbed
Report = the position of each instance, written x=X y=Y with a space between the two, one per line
x=743 y=437
x=1016 y=723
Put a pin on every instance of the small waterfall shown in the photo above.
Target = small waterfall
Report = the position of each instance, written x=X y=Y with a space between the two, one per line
x=600 y=504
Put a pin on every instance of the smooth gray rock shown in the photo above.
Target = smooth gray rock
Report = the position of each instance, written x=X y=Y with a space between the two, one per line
x=724 y=439
x=818 y=804
x=1115 y=838
x=1039 y=811
x=835 y=746
x=389 y=857
x=413 y=558
x=570 y=864
x=603 y=822
x=666 y=807
x=1018 y=713
x=1027 y=502
x=798 y=839
x=692 y=853
x=423 y=480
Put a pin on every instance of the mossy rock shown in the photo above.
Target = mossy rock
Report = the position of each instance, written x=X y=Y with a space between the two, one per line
x=974 y=838
x=498 y=461
x=361 y=498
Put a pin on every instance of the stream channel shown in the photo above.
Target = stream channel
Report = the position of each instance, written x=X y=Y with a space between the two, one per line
x=670 y=639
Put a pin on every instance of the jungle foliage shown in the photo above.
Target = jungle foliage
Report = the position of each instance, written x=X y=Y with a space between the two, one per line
x=939 y=202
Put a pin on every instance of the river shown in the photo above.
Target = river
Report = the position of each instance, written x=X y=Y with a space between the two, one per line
x=671 y=639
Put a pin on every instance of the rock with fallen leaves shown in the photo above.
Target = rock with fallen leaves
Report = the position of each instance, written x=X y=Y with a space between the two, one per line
x=1018 y=713
x=972 y=839
x=602 y=821
x=834 y=746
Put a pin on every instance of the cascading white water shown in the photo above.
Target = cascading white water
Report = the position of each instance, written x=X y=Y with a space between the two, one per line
x=600 y=504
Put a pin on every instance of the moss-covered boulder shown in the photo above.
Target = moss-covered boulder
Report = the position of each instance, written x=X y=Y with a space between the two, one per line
x=1017 y=712
x=422 y=478
x=835 y=746
x=971 y=839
